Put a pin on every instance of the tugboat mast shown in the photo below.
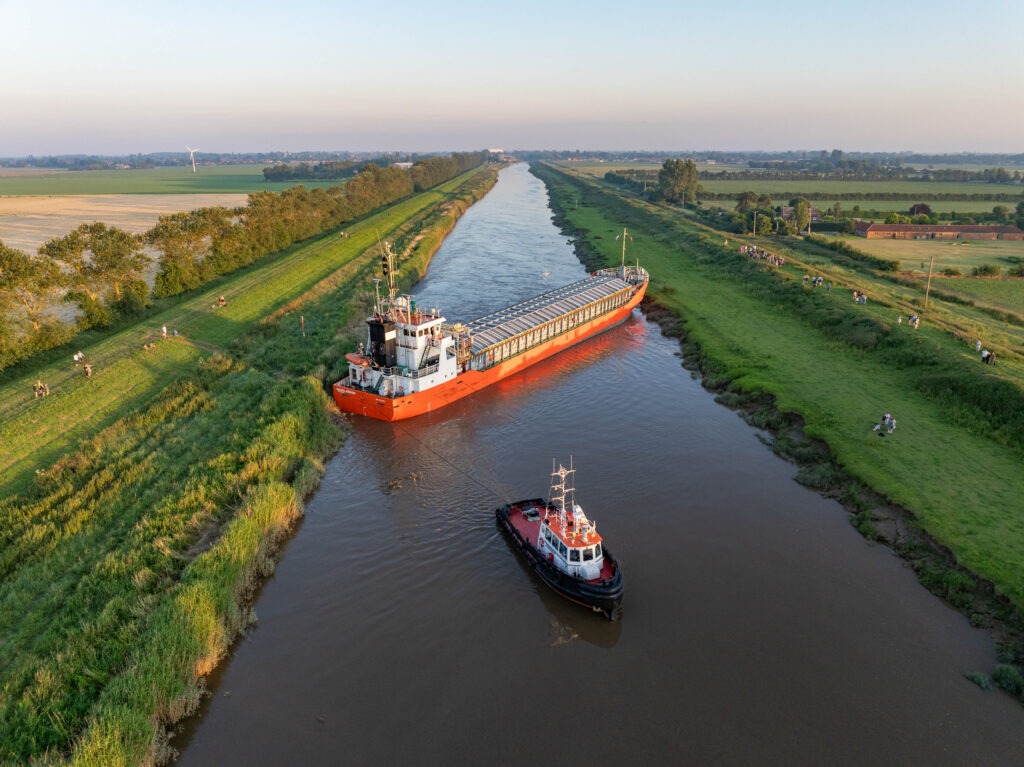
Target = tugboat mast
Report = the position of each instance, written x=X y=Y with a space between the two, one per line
x=562 y=490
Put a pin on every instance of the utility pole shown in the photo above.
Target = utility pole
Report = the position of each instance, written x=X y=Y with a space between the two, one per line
x=928 y=288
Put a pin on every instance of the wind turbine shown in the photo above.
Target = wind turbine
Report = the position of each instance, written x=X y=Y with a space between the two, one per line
x=192 y=156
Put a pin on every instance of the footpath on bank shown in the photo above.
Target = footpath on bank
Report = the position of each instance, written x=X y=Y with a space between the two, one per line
x=145 y=504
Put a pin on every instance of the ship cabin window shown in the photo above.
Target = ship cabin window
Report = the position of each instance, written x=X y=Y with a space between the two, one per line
x=597 y=550
x=561 y=549
x=588 y=554
x=574 y=555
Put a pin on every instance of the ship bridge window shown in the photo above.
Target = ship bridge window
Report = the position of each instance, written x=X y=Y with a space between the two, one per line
x=561 y=548
x=574 y=555
x=588 y=554
x=597 y=550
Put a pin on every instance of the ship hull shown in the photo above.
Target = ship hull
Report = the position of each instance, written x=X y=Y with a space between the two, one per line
x=602 y=595
x=397 y=408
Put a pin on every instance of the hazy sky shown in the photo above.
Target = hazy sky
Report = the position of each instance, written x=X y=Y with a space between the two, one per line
x=112 y=76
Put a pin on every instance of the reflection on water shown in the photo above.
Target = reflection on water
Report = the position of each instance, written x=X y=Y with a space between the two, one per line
x=758 y=627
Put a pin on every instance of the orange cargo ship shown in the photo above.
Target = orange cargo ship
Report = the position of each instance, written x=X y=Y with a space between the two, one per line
x=415 y=362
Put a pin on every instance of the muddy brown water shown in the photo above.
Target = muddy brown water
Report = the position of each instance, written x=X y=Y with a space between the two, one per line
x=759 y=628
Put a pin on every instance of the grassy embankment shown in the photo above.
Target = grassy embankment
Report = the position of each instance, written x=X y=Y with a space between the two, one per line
x=954 y=461
x=126 y=566
x=209 y=179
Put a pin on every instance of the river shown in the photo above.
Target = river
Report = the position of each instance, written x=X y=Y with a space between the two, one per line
x=758 y=628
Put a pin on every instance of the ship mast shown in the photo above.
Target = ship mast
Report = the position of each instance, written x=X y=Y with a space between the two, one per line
x=387 y=267
x=562 y=490
x=624 y=235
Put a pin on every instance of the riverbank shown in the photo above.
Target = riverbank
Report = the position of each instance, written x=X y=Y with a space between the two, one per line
x=152 y=499
x=758 y=347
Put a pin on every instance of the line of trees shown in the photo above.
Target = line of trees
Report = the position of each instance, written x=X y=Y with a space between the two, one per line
x=318 y=171
x=99 y=269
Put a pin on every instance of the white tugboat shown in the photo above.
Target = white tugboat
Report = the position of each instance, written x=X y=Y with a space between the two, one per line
x=558 y=540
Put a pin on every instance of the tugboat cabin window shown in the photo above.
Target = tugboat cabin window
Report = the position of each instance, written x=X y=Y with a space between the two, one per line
x=588 y=555
x=574 y=555
x=597 y=550
x=561 y=548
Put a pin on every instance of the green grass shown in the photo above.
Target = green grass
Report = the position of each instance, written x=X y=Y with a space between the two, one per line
x=126 y=566
x=1003 y=292
x=956 y=471
x=209 y=179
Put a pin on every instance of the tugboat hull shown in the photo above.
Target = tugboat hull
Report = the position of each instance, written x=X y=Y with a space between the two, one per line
x=602 y=594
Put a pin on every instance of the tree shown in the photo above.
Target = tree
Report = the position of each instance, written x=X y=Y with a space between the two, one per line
x=677 y=181
x=801 y=213
x=920 y=208
x=27 y=286
x=98 y=259
x=746 y=202
x=1001 y=213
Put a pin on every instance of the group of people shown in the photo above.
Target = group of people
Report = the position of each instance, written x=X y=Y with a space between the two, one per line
x=860 y=297
x=40 y=389
x=887 y=426
x=221 y=301
x=760 y=254
x=816 y=282
x=79 y=358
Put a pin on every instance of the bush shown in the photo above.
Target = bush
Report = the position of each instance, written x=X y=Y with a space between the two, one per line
x=1008 y=677
x=984 y=681
x=986 y=270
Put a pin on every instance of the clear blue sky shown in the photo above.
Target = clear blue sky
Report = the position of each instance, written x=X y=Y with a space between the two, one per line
x=148 y=75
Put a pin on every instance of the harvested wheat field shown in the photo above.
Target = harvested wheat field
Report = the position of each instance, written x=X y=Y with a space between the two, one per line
x=26 y=222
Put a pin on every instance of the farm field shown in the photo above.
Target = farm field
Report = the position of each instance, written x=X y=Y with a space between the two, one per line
x=209 y=179
x=966 y=255
x=26 y=222
x=926 y=190
x=822 y=190
x=945 y=207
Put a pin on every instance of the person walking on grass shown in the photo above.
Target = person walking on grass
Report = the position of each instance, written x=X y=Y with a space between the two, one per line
x=163 y=331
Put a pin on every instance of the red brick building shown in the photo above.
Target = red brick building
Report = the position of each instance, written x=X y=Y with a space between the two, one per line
x=936 y=232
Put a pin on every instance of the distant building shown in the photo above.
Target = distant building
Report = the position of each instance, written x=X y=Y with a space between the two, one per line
x=936 y=231
x=402 y=165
